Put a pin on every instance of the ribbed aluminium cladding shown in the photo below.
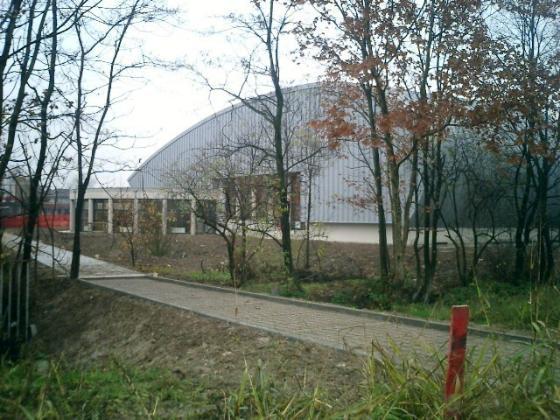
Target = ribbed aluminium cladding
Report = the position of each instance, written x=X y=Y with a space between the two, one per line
x=332 y=188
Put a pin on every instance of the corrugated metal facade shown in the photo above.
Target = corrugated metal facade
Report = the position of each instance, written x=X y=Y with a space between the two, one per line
x=337 y=181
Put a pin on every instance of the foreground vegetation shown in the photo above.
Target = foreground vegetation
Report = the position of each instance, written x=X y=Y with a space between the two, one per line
x=392 y=387
x=38 y=388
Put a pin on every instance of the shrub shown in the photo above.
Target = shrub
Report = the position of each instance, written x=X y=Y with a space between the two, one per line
x=526 y=386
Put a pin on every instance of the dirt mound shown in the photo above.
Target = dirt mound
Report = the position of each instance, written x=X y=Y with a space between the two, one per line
x=92 y=326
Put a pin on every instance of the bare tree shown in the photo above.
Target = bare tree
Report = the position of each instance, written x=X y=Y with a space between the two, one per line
x=26 y=29
x=232 y=197
x=314 y=156
x=40 y=179
x=475 y=211
x=520 y=104
x=33 y=23
x=124 y=225
x=101 y=42
x=268 y=25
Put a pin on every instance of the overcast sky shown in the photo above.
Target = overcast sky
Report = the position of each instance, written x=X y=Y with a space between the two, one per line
x=166 y=102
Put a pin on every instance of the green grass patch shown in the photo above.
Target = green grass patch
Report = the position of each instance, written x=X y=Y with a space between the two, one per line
x=39 y=389
x=392 y=386
x=494 y=304
x=211 y=277
x=219 y=278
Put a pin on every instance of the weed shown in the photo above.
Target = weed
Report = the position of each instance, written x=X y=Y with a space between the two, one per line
x=526 y=386
x=41 y=389
x=211 y=276
x=394 y=386
x=259 y=396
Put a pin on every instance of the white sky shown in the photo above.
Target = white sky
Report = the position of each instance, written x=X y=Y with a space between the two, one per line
x=166 y=102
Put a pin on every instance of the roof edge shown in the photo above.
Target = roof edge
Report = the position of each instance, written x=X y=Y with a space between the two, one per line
x=223 y=111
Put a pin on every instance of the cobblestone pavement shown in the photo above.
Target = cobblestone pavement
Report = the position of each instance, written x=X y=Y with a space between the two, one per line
x=323 y=326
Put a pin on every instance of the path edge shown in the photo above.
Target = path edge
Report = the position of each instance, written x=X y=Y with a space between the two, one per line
x=366 y=313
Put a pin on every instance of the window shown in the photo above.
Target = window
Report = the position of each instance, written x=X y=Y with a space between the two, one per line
x=123 y=215
x=178 y=216
x=100 y=216
x=254 y=198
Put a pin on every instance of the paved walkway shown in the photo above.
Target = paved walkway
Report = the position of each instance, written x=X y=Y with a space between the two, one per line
x=338 y=329
x=89 y=267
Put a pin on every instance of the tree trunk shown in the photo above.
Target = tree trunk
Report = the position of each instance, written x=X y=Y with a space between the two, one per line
x=545 y=251
x=285 y=227
x=384 y=260
x=307 y=224
x=232 y=266
x=76 y=245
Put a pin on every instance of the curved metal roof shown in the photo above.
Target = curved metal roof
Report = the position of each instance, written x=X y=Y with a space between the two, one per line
x=216 y=115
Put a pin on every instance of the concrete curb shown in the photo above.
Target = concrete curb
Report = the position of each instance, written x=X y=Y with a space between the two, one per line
x=116 y=276
x=383 y=316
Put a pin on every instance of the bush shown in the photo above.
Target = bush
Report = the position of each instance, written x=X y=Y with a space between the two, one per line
x=497 y=263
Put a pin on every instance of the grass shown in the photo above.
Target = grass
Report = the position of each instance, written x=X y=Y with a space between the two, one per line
x=398 y=387
x=219 y=278
x=522 y=387
x=216 y=277
x=40 y=389
x=494 y=304
x=392 y=387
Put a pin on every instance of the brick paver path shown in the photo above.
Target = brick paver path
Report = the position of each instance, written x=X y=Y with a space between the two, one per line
x=318 y=325
x=321 y=326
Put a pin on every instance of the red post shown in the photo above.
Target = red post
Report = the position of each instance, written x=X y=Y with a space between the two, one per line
x=457 y=350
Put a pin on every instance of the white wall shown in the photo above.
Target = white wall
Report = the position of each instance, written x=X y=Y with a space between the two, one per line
x=368 y=233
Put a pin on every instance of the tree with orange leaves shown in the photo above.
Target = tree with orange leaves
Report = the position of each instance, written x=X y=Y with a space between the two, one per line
x=398 y=66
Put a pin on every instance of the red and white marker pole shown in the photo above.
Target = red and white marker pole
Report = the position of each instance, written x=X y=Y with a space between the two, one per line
x=457 y=352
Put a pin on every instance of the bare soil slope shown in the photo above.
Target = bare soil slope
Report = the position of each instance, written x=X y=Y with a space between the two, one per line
x=92 y=326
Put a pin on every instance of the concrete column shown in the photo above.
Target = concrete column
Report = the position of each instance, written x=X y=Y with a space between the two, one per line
x=110 y=215
x=90 y=215
x=254 y=210
x=72 y=215
x=164 y=216
x=193 y=223
x=136 y=210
